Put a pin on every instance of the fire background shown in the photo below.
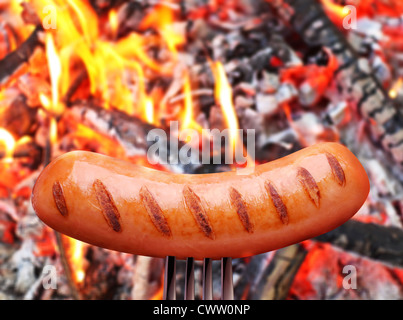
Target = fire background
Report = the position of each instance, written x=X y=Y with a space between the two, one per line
x=99 y=75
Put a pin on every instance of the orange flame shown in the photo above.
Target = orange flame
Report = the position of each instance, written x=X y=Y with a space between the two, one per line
x=8 y=141
x=161 y=18
x=75 y=252
x=394 y=90
x=223 y=95
x=55 y=71
x=113 y=22
x=336 y=12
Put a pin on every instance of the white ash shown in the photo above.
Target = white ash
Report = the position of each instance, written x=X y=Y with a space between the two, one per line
x=266 y=104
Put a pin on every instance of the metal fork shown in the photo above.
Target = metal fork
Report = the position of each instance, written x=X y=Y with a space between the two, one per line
x=227 y=290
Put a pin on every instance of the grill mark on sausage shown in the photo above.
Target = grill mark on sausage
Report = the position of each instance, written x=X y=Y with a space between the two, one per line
x=195 y=206
x=154 y=211
x=337 y=170
x=108 y=207
x=277 y=202
x=309 y=184
x=240 y=206
x=59 y=198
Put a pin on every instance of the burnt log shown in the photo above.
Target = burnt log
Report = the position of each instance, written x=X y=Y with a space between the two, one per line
x=355 y=79
x=133 y=134
x=278 y=277
x=369 y=240
x=16 y=59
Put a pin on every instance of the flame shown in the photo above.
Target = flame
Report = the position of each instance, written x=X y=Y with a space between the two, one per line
x=52 y=130
x=188 y=121
x=55 y=70
x=161 y=18
x=8 y=141
x=116 y=69
x=75 y=252
x=149 y=110
x=223 y=95
x=394 y=90
x=335 y=10
x=113 y=22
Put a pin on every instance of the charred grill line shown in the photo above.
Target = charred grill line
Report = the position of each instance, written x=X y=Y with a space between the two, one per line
x=312 y=23
x=240 y=206
x=154 y=211
x=337 y=169
x=309 y=184
x=277 y=202
x=59 y=198
x=195 y=206
x=107 y=205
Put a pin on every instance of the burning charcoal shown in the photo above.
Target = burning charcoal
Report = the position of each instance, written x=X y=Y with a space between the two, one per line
x=277 y=145
x=307 y=95
x=381 y=69
x=337 y=112
x=309 y=127
x=146 y=277
x=261 y=59
x=353 y=76
x=385 y=185
x=286 y=92
x=369 y=28
x=18 y=118
x=241 y=101
x=266 y=104
x=241 y=73
x=23 y=261
x=268 y=82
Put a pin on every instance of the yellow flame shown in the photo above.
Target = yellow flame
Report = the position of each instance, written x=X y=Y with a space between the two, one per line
x=161 y=18
x=55 y=71
x=113 y=22
x=188 y=114
x=223 y=95
x=8 y=141
x=76 y=250
x=53 y=130
x=338 y=10
x=149 y=110
x=394 y=91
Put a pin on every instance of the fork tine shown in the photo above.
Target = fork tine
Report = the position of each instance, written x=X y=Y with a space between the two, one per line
x=170 y=279
x=189 y=280
x=207 y=279
x=227 y=288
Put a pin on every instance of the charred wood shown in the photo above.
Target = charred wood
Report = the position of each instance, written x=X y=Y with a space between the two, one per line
x=277 y=279
x=356 y=80
x=369 y=240
x=16 y=59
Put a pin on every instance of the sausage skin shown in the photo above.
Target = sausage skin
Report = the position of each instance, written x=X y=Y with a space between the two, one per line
x=121 y=206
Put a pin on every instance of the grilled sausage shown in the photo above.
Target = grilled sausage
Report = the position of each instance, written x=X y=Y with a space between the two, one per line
x=121 y=206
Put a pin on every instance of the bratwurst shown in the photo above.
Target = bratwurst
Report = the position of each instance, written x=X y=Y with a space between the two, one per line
x=125 y=207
